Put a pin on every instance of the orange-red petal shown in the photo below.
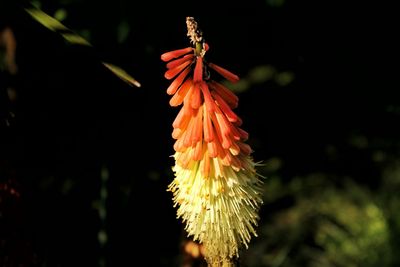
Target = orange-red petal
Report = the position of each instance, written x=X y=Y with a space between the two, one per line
x=227 y=160
x=197 y=132
x=198 y=70
x=207 y=127
x=179 y=61
x=221 y=150
x=224 y=72
x=187 y=139
x=225 y=141
x=181 y=119
x=232 y=117
x=198 y=151
x=176 y=133
x=234 y=149
x=176 y=53
x=177 y=82
x=243 y=134
x=169 y=74
x=245 y=148
x=195 y=100
x=179 y=96
x=226 y=127
x=212 y=149
x=238 y=122
x=206 y=166
x=207 y=97
x=188 y=109
x=235 y=163
x=178 y=146
x=184 y=160
x=230 y=98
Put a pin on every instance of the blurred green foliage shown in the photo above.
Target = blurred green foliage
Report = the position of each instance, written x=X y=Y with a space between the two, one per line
x=325 y=220
x=344 y=227
x=260 y=75
x=55 y=25
x=71 y=37
x=60 y=14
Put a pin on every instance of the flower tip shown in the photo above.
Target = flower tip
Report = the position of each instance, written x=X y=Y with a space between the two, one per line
x=164 y=57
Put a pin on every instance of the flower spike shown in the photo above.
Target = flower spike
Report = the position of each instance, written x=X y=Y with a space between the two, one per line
x=216 y=189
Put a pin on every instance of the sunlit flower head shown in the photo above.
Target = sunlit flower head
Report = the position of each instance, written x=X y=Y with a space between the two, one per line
x=216 y=187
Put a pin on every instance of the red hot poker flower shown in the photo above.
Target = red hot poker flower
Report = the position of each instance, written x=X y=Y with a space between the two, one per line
x=216 y=187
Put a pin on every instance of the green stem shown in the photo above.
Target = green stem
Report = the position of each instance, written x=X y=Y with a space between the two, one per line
x=199 y=48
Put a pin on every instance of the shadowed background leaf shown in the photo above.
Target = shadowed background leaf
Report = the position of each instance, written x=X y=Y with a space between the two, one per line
x=73 y=38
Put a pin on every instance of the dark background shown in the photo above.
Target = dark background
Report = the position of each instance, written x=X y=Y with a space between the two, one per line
x=89 y=156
